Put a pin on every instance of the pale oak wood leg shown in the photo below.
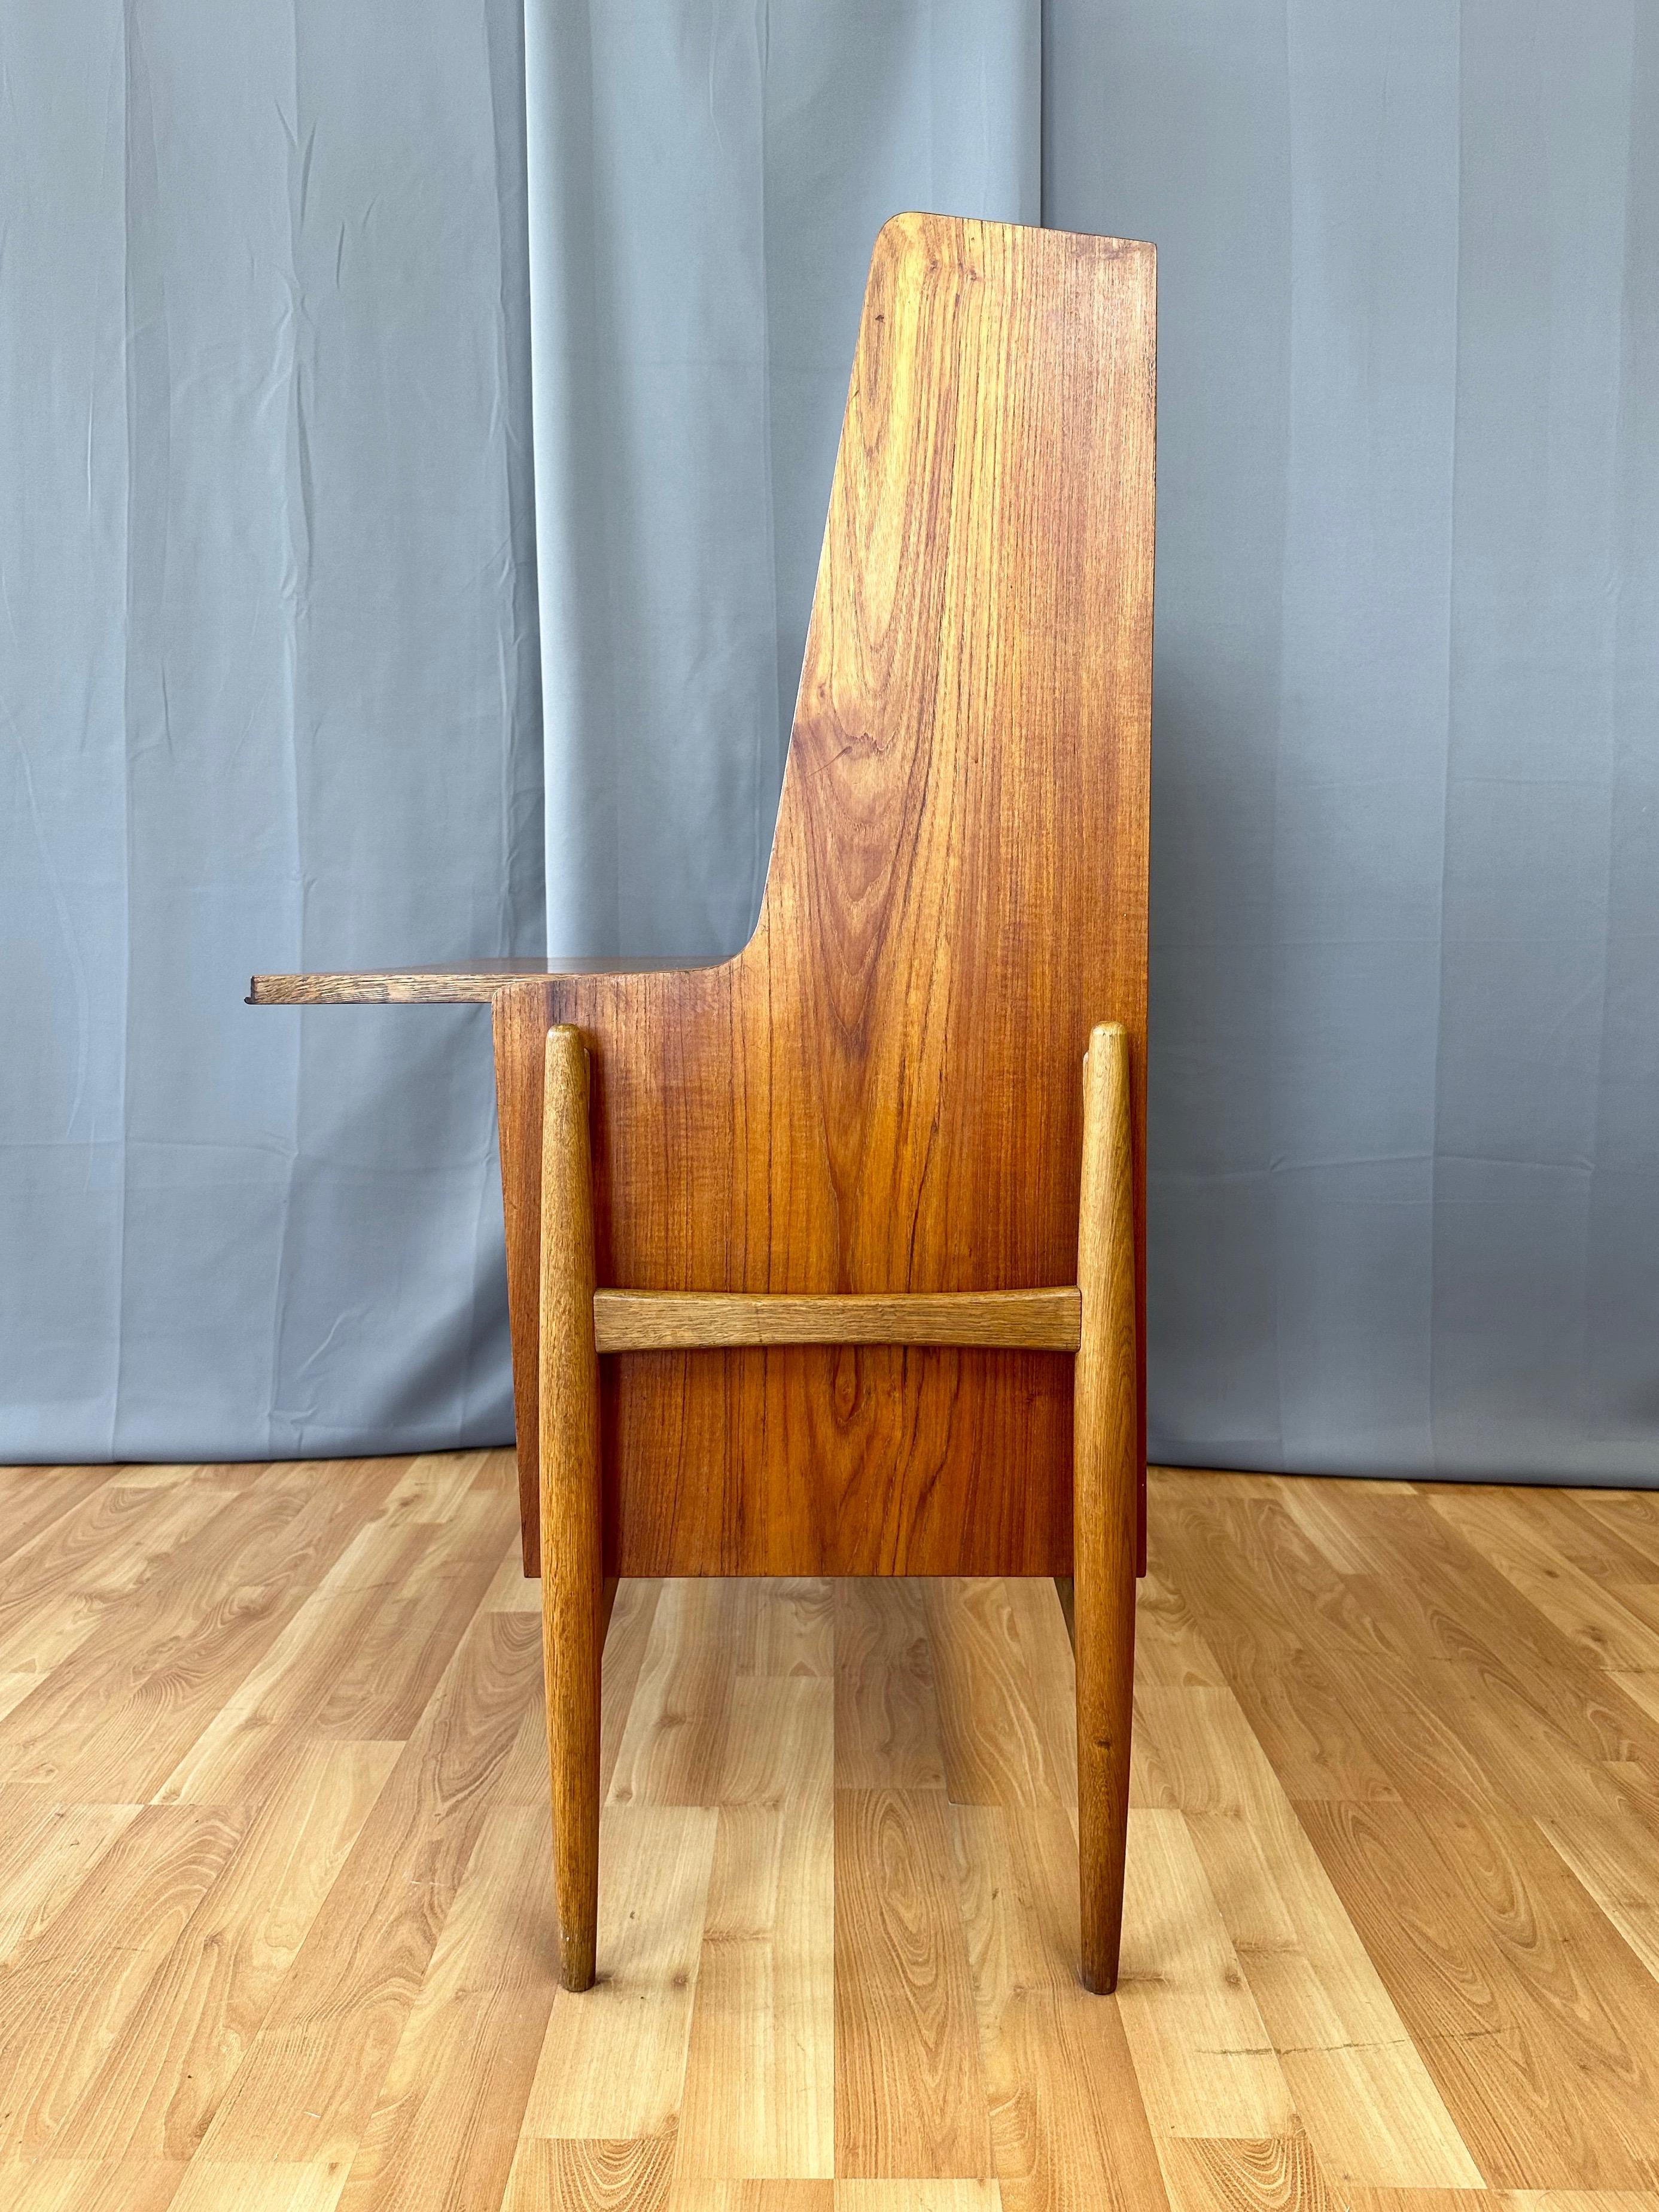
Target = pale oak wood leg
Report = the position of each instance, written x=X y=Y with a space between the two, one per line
x=1105 y=1481
x=573 y=1608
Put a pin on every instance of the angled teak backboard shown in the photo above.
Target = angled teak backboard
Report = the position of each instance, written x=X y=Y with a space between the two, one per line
x=883 y=1091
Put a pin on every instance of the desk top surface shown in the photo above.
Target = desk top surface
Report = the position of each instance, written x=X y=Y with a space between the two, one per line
x=442 y=982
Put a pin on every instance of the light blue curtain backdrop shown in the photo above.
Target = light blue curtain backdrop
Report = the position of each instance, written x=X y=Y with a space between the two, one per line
x=707 y=177
x=1404 y=1120
x=268 y=671
x=268 y=698
x=282 y=296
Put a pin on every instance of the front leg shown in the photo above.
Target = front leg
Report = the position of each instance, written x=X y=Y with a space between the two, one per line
x=1105 y=1498
x=573 y=1591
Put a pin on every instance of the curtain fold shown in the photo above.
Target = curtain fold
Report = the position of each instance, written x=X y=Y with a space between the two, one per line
x=269 y=684
x=1404 y=1122
x=705 y=179
x=417 y=425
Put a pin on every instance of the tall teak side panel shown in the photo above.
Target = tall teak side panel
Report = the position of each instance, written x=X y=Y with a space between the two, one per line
x=883 y=1091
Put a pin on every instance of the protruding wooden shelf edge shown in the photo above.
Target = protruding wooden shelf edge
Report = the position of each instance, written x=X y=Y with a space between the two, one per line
x=455 y=983
x=690 y=1321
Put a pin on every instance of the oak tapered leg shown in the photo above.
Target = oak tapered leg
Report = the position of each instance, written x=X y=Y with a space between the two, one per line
x=572 y=1594
x=1105 y=1481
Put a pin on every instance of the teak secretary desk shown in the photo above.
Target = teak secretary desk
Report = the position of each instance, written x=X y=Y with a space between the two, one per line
x=828 y=1259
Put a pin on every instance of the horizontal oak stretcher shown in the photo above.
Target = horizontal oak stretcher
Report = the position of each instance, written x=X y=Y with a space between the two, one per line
x=683 y=1321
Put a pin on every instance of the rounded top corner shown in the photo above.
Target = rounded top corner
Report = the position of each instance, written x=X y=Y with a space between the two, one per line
x=900 y=228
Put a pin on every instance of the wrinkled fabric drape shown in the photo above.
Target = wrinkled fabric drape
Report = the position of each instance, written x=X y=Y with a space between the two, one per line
x=268 y=671
x=269 y=698
x=706 y=181
x=1404 y=1120
x=282 y=293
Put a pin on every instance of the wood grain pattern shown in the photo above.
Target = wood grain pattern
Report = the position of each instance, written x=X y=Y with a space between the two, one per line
x=676 y=1320
x=1360 y=2084
x=1280 y=2174
x=674 y=1739
x=400 y=1598
x=573 y=1562
x=879 y=1095
x=58 y=1586
x=329 y=1979
x=1509 y=1979
x=613 y=2064
x=1069 y=2129
x=909 y=2095
x=999 y=1748
x=1528 y=1552
x=209 y=2186
x=443 y=983
x=160 y=2083
x=1205 y=2063
x=444 y=2123
x=47 y=1848
x=96 y=1957
x=1106 y=1484
x=592 y=2174
x=215 y=1604
x=915 y=2195
x=306 y=2088
x=887 y=1718
x=759 y=2097
x=1617 y=1862
x=79 y=2185
x=32 y=1498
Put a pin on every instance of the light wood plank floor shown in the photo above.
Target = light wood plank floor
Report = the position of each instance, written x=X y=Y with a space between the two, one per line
x=275 y=1906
